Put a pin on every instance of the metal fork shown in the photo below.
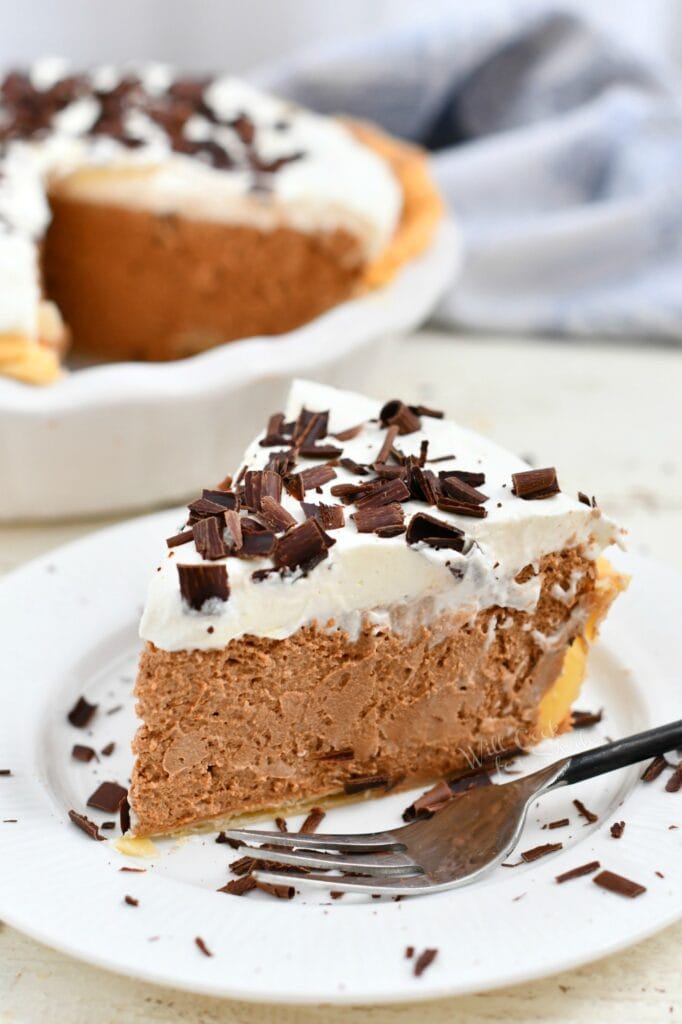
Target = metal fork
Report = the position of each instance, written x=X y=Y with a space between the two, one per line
x=470 y=835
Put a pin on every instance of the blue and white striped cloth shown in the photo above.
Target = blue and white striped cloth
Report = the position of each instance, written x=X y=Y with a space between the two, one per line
x=560 y=154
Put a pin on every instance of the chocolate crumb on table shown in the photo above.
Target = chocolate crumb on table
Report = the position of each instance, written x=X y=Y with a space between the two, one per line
x=423 y=961
x=583 y=869
x=589 y=816
x=618 y=884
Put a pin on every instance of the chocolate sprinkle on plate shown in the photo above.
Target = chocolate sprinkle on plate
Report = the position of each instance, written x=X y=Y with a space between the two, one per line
x=87 y=826
x=423 y=410
x=124 y=816
x=131 y=901
x=200 y=583
x=313 y=821
x=535 y=484
x=239 y=886
x=223 y=838
x=108 y=797
x=349 y=433
x=589 y=816
x=81 y=713
x=617 y=829
x=202 y=946
x=584 y=869
x=654 y=769
x=281 y=892
x=540 y=851
x=674 y=783
x=82 y=753
x=281 y=825
x=585 y=719
x=559 y=823
x=423 y=961
x=409 y=952
x=618 y=884
x=108 y=749
x=5 y=771
x=134 y=871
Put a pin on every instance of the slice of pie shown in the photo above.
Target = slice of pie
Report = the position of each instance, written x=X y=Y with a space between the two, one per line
x=381 y=597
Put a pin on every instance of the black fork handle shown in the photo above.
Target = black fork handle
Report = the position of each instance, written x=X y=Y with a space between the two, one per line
x=621 y=753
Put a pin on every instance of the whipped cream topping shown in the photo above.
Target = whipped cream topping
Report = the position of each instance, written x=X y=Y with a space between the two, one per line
x=366 y=578
x=227 y=153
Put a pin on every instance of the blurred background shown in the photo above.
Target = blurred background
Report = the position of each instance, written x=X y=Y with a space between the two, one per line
x=237 y=36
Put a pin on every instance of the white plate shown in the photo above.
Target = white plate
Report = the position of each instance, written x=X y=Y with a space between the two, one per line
x=134 y=435
x=69 y=622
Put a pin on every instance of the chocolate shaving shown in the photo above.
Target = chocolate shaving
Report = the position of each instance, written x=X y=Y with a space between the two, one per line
x=310 y=427
x=202 y=946
x=349 y=433
x=201 y=583
x=81 y=713
x=463 y=492
x=303 y=546
x=359 y=468
x=461 y=508
x=281 y=892
x=376 y=493
x=423 y=410
x=233 y=526
x=475 y=479
x=534 y=484
x=282 y=462
x=133 y=871
x=275 y=515
x=618 y=884
x=540 y=851
x=5 y=772
x=396 y=413
x=584 y=869
x=330 y=517
x=584 y=719
x=85 y=825
x=372 y=520
x=423 y=961
x=223 y=838
x=319 y=451
x=281 y=825
x=583 y=498
x=108 y=749
x=108 y=824
x=674 y=783
x=82 y=753
x=223 y=497
x=239 y=886
x=435 y=533
x=202 y=508
x=208 y=538
x=361 y=783
x=617 y=829
x=180 y=538
x=308 y=479
x=409 y=952
x=131 y=901
x=312 y=822
x=655 y=768
x=388 y=442
x=258 y=484
x=108 y=797
x=386 y=471
x=589 y=816
x=424 y=484
x=429 y=802
x=559 y=823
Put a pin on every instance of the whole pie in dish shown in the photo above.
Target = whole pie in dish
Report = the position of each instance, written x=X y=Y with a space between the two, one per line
x=149 y=216
x=380 y=597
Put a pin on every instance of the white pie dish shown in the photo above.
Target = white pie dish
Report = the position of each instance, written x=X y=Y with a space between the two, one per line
x=136 y=435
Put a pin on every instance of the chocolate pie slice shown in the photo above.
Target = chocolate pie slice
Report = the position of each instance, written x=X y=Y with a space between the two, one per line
x=380 y=598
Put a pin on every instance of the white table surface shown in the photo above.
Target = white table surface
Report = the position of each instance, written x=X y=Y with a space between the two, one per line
x=609 y=417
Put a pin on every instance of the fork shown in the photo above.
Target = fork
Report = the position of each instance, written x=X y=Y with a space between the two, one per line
x=470 y=835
